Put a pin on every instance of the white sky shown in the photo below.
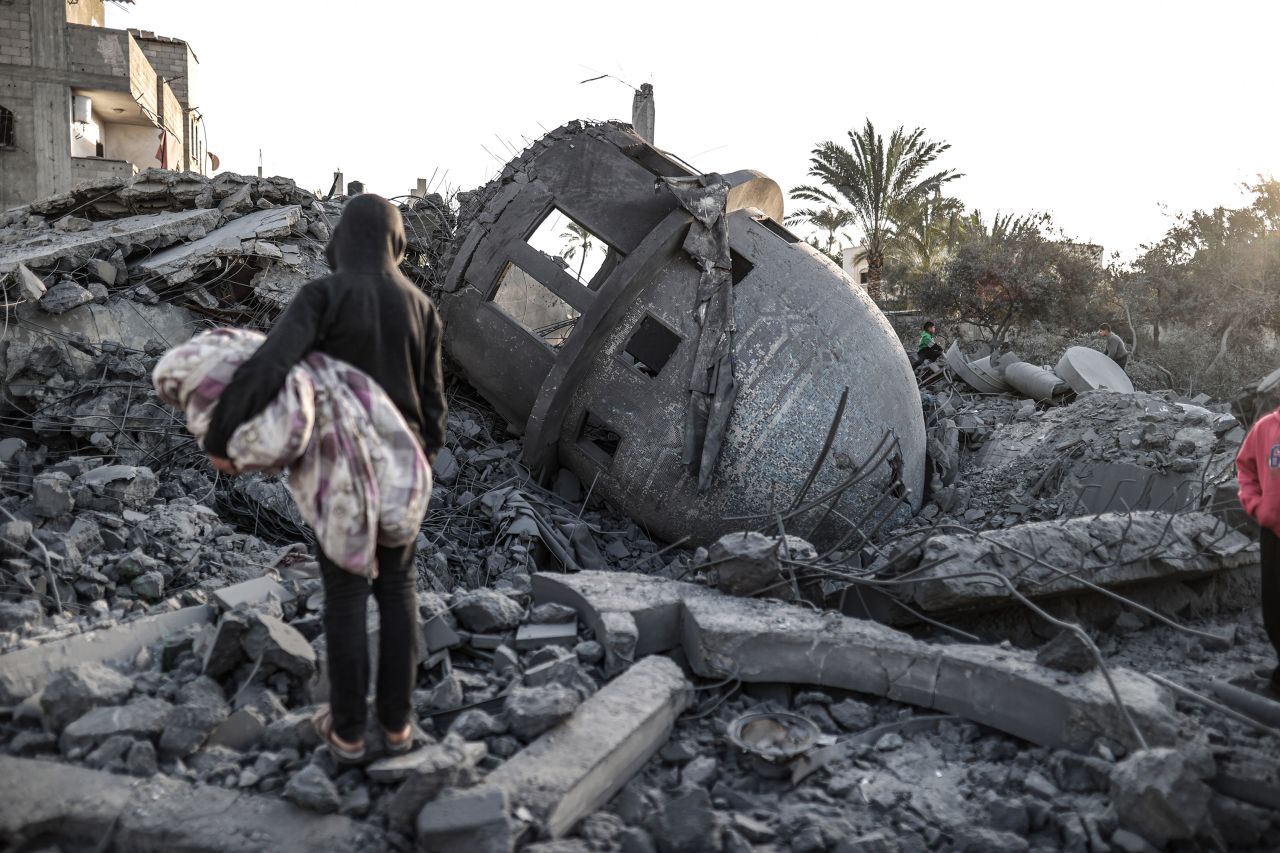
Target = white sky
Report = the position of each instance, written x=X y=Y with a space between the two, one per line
x=1109 y=115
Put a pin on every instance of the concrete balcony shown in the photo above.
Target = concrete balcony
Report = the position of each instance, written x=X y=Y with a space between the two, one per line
x=109 y=66
x=94 y=169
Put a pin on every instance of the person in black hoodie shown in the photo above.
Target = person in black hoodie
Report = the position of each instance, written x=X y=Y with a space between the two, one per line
x=370 y=316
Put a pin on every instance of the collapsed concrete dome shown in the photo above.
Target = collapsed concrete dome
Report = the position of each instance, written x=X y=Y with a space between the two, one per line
x=595 y=364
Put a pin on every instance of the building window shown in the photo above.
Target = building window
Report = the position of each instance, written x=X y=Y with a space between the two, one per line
x=578 y=251
x=777 y=229
x=598 y=440
x=650 y=347
x=8 y=132
x=528 y=301
x=740 y=267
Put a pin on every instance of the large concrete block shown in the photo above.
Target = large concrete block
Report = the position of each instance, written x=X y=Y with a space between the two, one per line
x=25 y=671
x=578 y=766
x=80 y=808
x=759 y=641
x=1120 y=550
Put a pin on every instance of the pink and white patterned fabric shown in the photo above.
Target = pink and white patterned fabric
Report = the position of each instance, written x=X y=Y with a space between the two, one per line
x=355 y=469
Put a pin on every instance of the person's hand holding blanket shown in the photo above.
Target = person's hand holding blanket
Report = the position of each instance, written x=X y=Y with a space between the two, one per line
x=356 y=470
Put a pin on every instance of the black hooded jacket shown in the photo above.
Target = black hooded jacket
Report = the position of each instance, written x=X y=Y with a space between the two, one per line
x=366 y=314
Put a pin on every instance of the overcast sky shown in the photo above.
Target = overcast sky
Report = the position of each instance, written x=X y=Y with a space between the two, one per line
x=1109 y=115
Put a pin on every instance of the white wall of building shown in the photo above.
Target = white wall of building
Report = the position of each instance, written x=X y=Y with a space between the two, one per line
x=135 y=143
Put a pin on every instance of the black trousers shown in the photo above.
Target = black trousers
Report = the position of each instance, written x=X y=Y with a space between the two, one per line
x=1271 y=587
x=346 y=598
x=929 y=353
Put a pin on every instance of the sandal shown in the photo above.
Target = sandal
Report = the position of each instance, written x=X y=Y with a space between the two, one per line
x=323 y=723
x=399 y=747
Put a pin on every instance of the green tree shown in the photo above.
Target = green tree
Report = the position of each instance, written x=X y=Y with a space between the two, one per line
x=579 y=242
x=926 y=234
x=831 y=220
x=1219 y=271
x=1008 y=272
x=876 y=183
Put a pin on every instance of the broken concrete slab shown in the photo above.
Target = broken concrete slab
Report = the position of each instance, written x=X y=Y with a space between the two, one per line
x=1122 y=487
x=1119 y=550
x=188 y=727
x=239 y=237
x=764 y=641
x=485 y=611
x=114 y=488
x=530 y=711
x=448 y=764
x=531 y=636
x=251 y=592
x=76 y=808
x=130 y=323
x=1159 y=794
x=64 y=296
x=474 y=819
x=155 y=231
x=141 y=718
x=750 y=563
x=73 y=692
x=26 y=671
x=576 y=767
x=278 y=644
x=242 y=730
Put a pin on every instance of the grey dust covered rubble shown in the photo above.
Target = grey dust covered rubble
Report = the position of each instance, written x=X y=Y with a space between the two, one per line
x=998 y=651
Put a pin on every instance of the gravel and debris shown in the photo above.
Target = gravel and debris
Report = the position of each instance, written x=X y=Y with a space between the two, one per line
x=110 y=516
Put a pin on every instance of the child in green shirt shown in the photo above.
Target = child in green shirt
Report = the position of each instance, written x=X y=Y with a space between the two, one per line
x=928 y=350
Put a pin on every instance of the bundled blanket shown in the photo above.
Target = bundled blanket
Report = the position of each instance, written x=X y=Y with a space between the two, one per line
x=355 y=469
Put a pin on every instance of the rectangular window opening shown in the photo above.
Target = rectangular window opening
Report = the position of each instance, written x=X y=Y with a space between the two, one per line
x=598 y=440
x=578 y=251
x=650 y=347
x=740 y=267
x=777 y=228
x=528 y=301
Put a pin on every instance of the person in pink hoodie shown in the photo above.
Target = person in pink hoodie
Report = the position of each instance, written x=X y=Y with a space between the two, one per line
x=1258 y=467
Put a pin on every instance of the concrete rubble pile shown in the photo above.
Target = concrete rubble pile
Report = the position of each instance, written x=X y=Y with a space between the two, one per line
x=224 y=248
x=998 y=462
x=583 y=687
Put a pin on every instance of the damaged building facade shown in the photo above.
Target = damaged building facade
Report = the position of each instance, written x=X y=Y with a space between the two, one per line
x=595 y=361
x=80 y=102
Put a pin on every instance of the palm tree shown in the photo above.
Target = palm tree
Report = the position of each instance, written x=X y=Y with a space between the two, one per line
x=927 y=233
x=578 y=241
x=1002 y=227
x=876 y=183
x=828 y=219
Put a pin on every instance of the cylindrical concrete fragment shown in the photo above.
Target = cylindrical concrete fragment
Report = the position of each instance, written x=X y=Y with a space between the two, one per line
x=988 y=374
x=1089 y=370
x=960 y=364
x=1036 y=382
x=603 y=389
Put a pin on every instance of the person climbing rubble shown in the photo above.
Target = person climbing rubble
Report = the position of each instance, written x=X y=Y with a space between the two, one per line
x=1258 y=468
x=1113 y=345
x=928 y=351
x=370 y=316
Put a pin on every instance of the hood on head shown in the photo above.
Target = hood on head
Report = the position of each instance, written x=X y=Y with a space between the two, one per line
x=369 y=236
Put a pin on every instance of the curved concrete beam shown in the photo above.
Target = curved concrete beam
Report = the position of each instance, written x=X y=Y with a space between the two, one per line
x=749 y=188
x=764 y=641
